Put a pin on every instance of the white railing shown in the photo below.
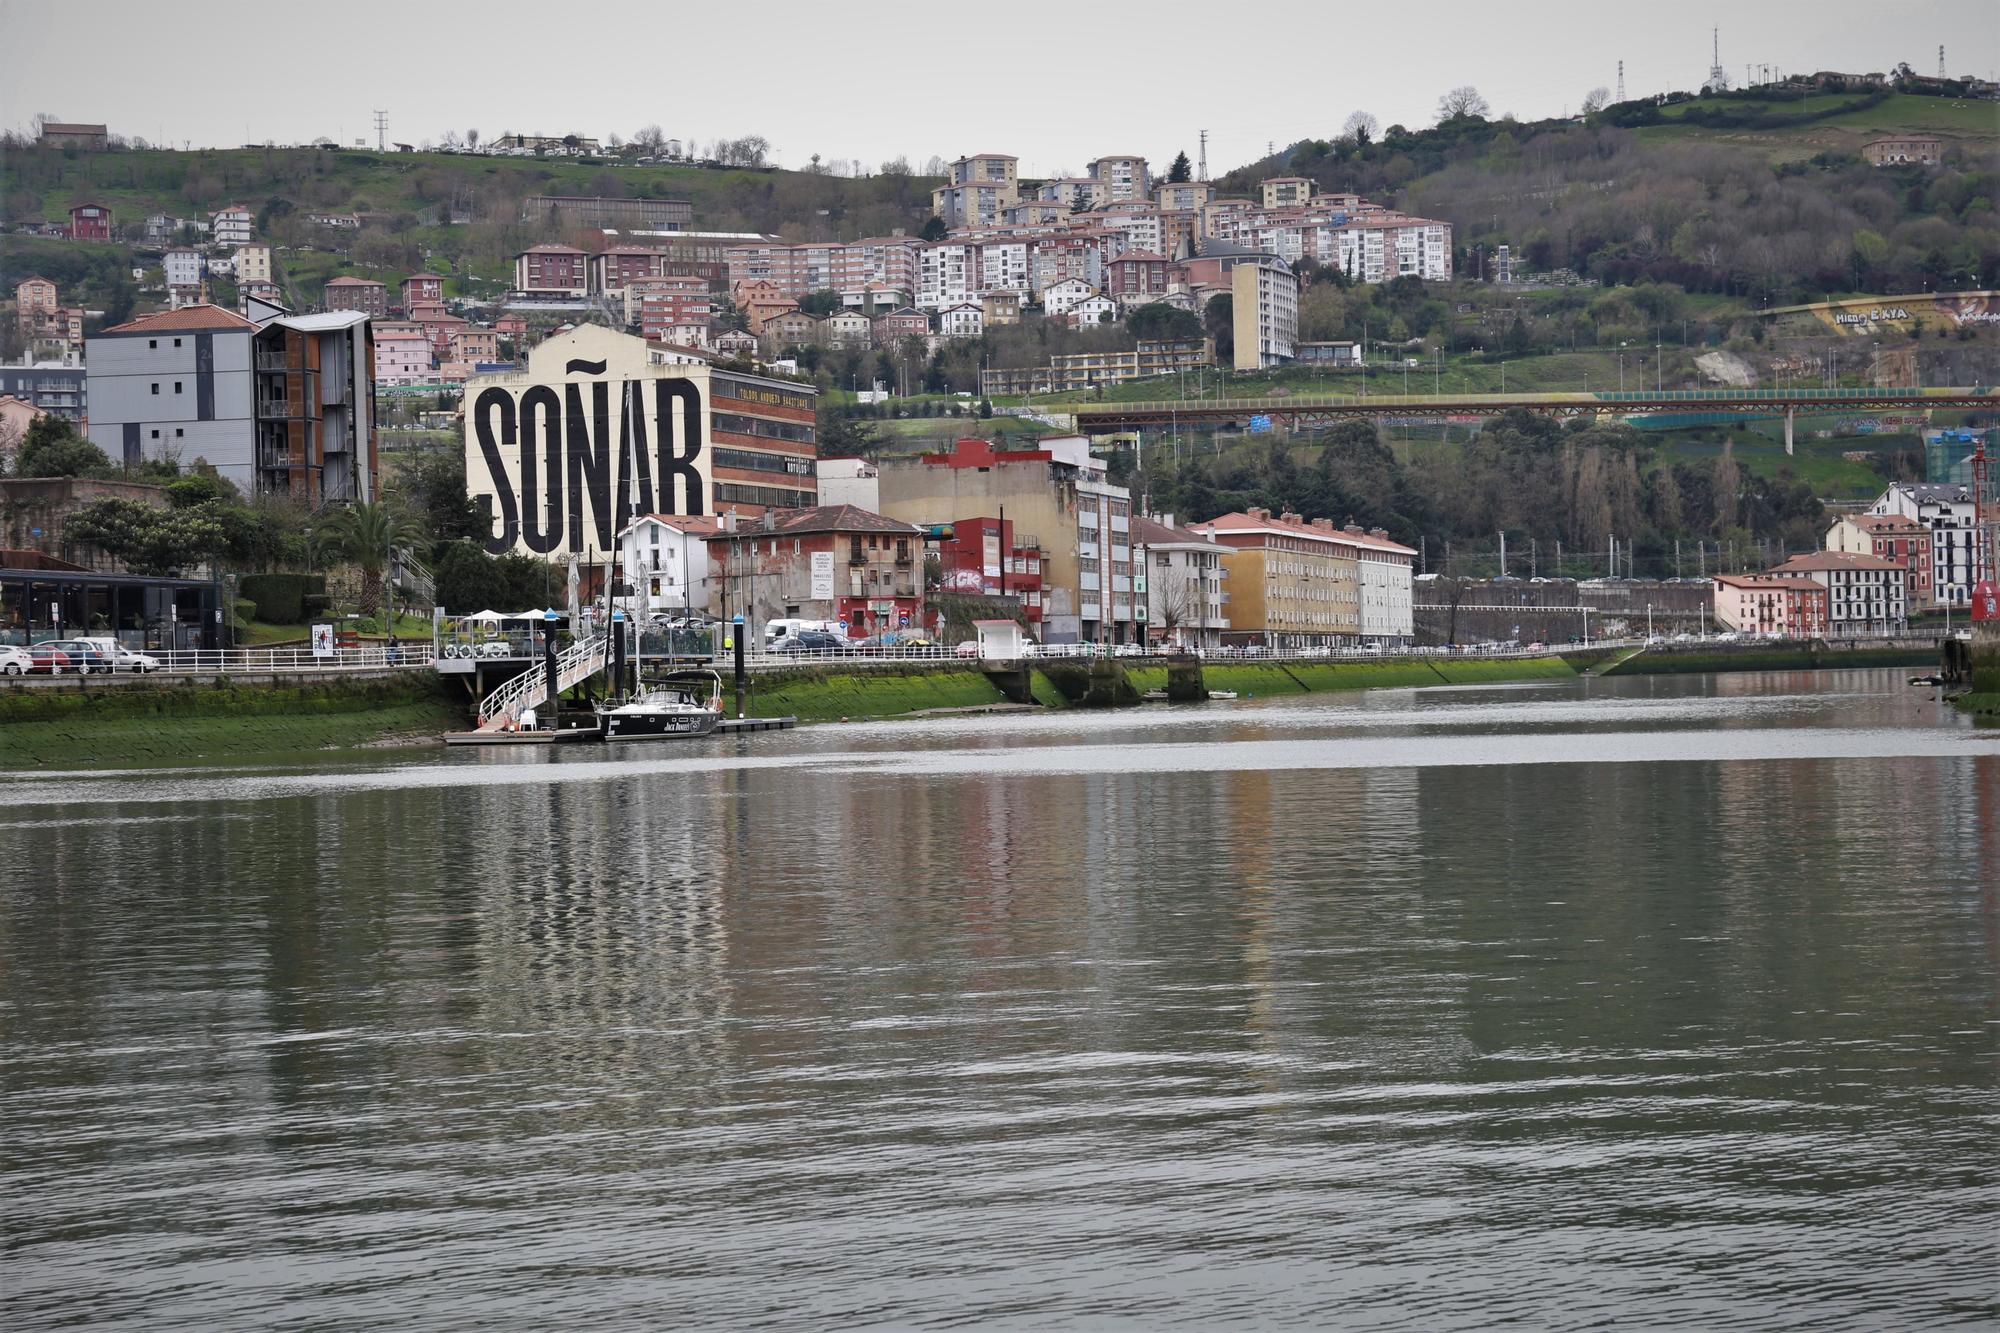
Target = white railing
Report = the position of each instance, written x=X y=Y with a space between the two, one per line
x=241 y=661
x=757 y=661
x=576 y=663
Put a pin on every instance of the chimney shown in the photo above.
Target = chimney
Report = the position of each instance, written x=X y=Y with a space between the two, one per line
x=1379 y=533
x=1290 y=518
x=1261 y=515
x=1323 y=524
x=1354 y=528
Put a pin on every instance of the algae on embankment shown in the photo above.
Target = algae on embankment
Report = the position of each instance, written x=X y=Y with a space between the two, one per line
x=1801 y=658
x=815 y=695
x=216 y=720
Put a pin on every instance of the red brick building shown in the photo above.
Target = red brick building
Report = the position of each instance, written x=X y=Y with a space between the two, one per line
x=613 y=270
x=552 y=270
x=369 y=297
x=422 y=287
x=1760 y=605
x=671 y=303
x=1136 y=276
x=836 y=563
x=90 y=222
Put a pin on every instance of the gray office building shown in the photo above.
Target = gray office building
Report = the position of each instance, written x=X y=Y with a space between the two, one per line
x=177 y=385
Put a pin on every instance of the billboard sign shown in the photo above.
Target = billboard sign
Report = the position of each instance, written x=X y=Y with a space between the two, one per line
x=563 y=454
x=822 y=576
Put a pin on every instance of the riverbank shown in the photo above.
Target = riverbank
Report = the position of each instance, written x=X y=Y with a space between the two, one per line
x=188 y=721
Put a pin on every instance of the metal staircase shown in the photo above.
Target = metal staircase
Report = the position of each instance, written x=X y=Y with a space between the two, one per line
x=575 y=664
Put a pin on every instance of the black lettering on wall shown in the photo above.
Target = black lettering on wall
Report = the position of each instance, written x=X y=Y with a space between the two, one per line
x=635 y=469
x=692 y=500
x=504 y=540
x=590 y=464
x=543 y=522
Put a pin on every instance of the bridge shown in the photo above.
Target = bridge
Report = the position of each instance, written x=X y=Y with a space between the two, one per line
x=1305 y=412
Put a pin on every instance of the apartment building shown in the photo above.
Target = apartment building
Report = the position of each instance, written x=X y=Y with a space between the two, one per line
x=183 y=269
x=1182 y=196
x=404 y=357
x=1380 y=247
x=1300 y=584
x=1078 y=255
x=861 y=570
x=1184 y=582
x=1865 y=594
x=947 y=274
x=176 y=385
x=980 y=189
x=888 y=262
x=35 y=300
x=1056 y=494
x=1005 y=266
x=1905 y=541
x=897 y=325
x=1130 y=227
x=422 y=289
x=552 y=271
x=1083 y=370
x=1266 y=312
x=474 y=345
x=231 y=226
x=55 y=387
x=965 y=320
x=315 y=424
x=1766 y=607
x=253 y=264
x=847 y=328
x=362 y=294
x=788 y=329
x=1136 y=277
x=1950 y=513
x=1091 y=311
x=1901 y=150
x=670 y=308
x=1121 y=177
x=1035 y=213
x=988 y=555
x=1285 y=191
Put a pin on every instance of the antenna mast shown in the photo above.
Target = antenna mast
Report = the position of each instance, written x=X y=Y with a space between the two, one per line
x=1621 y=80
x=1201 y=172
x=1941 y=73
x=381 y=130
x=1718 y=78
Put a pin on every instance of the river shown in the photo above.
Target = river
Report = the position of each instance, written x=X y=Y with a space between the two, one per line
x=1664 y=1002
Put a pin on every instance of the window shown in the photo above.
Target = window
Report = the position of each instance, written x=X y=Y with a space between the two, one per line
x=178 y=432
x=177 y=342
x=156 y=390
x=177 y=386
x=153 y=344
x=156 y=435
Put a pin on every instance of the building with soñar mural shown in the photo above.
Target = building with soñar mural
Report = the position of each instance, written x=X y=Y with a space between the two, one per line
x=602 y=427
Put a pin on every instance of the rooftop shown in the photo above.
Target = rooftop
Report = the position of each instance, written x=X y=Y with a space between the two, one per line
x=1829 y=560
x=187 y=317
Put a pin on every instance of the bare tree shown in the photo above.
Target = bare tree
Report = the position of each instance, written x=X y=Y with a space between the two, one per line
x=1596 y=100
x=472 y=141
x=650 y=140
x=1464 y=100
x=1362 y=127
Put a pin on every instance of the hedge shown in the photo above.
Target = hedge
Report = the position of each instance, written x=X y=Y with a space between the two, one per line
x=281 y=598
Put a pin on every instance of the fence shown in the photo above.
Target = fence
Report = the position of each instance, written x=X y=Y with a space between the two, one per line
x=251 y=661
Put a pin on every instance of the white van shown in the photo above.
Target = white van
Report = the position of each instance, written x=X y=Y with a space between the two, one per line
x=778 y=629
x=122 y=658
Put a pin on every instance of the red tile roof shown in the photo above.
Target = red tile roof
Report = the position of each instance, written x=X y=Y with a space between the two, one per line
x=353 y=282
x=1241 y=522
x=832 y=518
x=187 y=317
x=1830 y=560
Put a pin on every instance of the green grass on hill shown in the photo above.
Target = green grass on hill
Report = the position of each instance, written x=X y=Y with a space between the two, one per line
x=1974 y=123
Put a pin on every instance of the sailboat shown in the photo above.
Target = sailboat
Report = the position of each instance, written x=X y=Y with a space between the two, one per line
x=682 y=704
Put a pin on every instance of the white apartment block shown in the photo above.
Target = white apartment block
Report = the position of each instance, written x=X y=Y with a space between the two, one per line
x=1948 y=510
x=1005 y=266
x=962 y=321
x=947 y=272
x=183 y=268
x=1138 y=228
x=1105 y=588
x=232 y=226
x=1059 y=298
x=665 y=562
x=1092 y=311
x=1183 y=196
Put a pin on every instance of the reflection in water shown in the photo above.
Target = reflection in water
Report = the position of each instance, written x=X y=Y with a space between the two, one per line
x=1668 y=1002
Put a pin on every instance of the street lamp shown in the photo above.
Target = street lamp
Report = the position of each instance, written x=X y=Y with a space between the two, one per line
x=1621 y=367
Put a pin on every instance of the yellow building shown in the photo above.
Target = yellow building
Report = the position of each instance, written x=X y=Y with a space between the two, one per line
x=1292 y=584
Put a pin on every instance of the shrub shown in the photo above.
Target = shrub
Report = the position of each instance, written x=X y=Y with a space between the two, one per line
x=280 y=598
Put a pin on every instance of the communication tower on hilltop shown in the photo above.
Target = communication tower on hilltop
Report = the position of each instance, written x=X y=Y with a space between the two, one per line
x=1201 y=171
x=1621 y=80
x=381 y=131
x=1718 y=78
x=1941 y=73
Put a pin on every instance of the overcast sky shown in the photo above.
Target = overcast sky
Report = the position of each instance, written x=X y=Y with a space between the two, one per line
x=1054 y=83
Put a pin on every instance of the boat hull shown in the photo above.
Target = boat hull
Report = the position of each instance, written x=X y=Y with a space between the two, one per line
x=658 y=726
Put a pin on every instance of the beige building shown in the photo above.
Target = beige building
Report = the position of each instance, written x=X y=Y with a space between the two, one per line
x=1286 y=191
x=253 y=264
x=1266 y=310
x=1901 y=149
x=1292 y=584
x=1056 y=497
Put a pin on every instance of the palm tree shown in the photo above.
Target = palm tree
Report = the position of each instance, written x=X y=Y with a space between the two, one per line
x=368 y=534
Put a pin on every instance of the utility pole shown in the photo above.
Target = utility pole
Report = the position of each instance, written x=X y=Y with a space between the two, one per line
x=1201 y=171
x=381 y=131
x=1503 y=553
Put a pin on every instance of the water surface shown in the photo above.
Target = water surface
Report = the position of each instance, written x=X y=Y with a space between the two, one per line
x=1659 y=1002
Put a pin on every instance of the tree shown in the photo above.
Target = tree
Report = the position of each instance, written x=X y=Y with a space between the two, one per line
x=1361 y=127
x=819 y=304
x=52 y=448
x=367 y=534
x=934 y=229
x=465 y=579
x=472 y=141
x=431 y=485
x=1462 y=103
x=149 y=540
x=1218 y=317
x=1181 y=170
x=1595 y=100
x=1158 y=320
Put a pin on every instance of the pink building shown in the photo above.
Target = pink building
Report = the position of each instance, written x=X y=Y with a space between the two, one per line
x=672 y=304
x=899 y=324
x=475 y=345
x=1760 y=605
x=615 y=269
x=404 y=358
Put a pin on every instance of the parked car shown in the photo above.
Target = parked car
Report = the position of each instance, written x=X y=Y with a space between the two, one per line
x=84 y=655
x=808 y=641
x=48 y=658
x=122 y=658
x=15 y=661
x=969 y=648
